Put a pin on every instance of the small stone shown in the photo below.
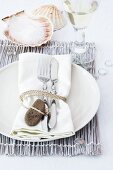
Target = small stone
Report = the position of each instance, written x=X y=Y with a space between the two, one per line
x=33 y=117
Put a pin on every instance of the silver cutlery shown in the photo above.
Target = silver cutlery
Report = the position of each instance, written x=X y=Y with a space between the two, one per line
x=54 y=79
x=44 y=77
x=44 y=71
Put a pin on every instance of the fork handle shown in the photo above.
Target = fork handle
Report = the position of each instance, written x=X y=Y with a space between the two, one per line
x=44 y=89
x=44 y=86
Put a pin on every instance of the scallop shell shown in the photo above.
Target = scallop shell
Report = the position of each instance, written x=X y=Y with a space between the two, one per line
x=25 y=35
x=51 y=12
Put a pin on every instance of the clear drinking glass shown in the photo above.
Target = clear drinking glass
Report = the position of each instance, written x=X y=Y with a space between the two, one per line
x=80 y=13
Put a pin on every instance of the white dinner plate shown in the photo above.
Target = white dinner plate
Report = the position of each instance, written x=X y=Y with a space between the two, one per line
x=84 y=97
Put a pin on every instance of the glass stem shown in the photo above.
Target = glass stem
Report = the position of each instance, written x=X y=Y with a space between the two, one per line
x=80 y=38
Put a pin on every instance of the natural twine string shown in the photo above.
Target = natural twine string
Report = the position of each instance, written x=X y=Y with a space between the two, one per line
x=39 y=93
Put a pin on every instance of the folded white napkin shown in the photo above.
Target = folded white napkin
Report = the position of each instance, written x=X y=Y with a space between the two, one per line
x=28 y=63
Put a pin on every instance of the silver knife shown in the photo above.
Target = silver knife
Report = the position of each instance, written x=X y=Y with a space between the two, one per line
x=54 y=79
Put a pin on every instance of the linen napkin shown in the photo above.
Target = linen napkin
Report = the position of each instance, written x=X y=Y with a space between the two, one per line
x=27 y=80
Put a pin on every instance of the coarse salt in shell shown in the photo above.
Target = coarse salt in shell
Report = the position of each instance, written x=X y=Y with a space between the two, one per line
x=27 y=31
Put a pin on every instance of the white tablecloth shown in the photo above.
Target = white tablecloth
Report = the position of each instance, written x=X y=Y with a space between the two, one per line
x=100 y=31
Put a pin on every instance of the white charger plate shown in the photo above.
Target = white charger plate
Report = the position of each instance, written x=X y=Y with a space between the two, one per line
x=84 y=98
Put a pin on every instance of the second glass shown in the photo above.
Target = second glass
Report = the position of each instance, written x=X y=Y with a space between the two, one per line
x=80 y=13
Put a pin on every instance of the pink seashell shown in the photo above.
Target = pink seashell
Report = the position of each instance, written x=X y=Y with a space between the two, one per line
x=51 y=12
x=46 y=30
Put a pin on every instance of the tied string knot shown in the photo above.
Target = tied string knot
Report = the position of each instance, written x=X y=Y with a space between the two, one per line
x=38 y=93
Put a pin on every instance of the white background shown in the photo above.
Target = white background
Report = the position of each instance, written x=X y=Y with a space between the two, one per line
x=100 y=31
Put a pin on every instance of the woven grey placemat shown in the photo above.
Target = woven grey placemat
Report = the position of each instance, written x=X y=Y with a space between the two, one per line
x=86 y=141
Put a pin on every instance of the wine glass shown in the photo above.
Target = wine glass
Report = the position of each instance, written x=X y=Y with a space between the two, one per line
x=80 y=13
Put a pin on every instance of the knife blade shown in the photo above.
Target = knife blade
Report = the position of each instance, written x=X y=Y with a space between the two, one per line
x=54 y=80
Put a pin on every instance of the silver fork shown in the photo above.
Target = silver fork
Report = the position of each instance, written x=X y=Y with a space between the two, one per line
x=44 y=77
x=44 y=71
